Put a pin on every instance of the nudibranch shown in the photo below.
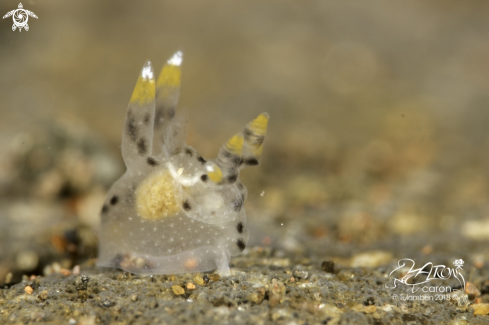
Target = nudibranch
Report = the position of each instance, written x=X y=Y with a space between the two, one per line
x=174 y=211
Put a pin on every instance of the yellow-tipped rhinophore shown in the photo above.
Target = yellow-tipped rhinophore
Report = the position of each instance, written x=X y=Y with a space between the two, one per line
x=254 y=135
x=235 y=144
x=214 y=173
x=171 y=73
x=144 y=92
x=259 y=125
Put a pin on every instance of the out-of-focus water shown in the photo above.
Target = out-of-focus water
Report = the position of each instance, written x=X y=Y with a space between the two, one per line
x=329 y=73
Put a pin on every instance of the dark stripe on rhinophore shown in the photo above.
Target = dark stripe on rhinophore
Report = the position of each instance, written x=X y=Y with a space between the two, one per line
x=114 y=200
x=142 y=146
x=201 y=160
x=252 y=137
x=227 y=156
x=151 y=161
x=241 y=244
x=131 y=128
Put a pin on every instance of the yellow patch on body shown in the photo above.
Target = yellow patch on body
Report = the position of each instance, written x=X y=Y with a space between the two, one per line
x=214 y=173
x=155 y=199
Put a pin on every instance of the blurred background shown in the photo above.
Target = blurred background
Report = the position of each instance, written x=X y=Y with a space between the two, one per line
x=378 y=129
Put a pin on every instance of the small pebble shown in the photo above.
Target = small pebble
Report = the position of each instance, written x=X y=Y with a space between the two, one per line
x=190 y=286
x=206 y=278
x=198 y=279
x=8 y=277
x=328 y=266
x=485 y=287
x=258 y=296
x=301 y=274
x=471 y=289
x=481 y=309
x=178 y=290
x=276 y=294
x=65 y=272
x=81 y=283
x=427 y=249
x=134 y=298
x=28 y=290
x=43 y=295
x=214 y=277
x=76 y=270
x=371 y=259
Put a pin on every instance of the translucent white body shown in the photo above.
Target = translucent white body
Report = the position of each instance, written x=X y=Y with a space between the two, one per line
x=173 y=211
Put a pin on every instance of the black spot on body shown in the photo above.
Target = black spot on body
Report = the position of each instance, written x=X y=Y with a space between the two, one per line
x=237 y=204
x=232 y=178
x=131 y=127
x=114 y=200
x=240 y=227
x=151 y=161
x=146 y=119
x=142 y=146
x=204 y=177
x=239 y=185
x=241 y=244
x=186 y=206
x=201 y=159
x=251 y=162
x=189 y=152
x=105 y=209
